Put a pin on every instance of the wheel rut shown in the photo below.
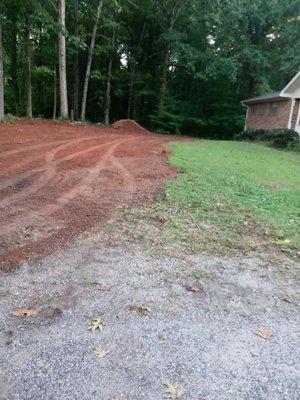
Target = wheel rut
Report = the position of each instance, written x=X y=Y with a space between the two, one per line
x=87 y=173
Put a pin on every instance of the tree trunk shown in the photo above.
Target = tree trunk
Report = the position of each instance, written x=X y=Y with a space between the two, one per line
x=54 y=94
x=76 y=63
x=131 y=82
x=164 y=77
x=14 y=66
x=175 y=11
x=108 y=83
x=89 y=61
x=28 y=89
x=1 y=77
x=64 y=113
x=130 y=95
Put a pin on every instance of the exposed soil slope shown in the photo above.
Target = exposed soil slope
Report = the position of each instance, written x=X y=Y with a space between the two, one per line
x=59 y=179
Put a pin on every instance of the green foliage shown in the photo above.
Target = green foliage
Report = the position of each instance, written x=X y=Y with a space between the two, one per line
x=219 y=53
x=280 y=138
x=8 y=118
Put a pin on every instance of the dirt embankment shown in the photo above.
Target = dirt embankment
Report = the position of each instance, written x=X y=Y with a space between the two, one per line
x=59 y=179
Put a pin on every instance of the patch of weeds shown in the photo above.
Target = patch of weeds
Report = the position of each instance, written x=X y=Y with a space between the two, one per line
x=8 y=118
x=175 y=295
x=196 y=274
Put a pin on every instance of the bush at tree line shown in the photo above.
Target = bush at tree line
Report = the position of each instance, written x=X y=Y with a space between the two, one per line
x=280 y=138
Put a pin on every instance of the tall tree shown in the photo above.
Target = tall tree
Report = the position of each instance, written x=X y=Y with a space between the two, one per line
x=172 y=11
x=76 y=61
x=89 y=61
x=132 y=65
x=62 y=63
x=27 y=47
x=177 y=66
x=1 y=75
x=14 y=57
x=108 y=80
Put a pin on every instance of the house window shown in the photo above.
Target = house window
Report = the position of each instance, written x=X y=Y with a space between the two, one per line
x=261 y=109
x=258 y=109
x=274 y=109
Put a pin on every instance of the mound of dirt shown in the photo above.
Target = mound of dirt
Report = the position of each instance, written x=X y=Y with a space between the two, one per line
x=129 y=125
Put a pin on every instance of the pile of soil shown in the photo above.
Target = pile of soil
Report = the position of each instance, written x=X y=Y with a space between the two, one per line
x=129 y=125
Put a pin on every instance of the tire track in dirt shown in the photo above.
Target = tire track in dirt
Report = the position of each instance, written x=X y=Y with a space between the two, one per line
x=36 y=157
x=49 y=174
x=66 y=197
x=14 y=180
x=12 y=257
x=23 y=149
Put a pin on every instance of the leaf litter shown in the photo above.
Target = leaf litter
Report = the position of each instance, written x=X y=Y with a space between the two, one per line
x=97 y=324
x=263 y=332
x=172 y=391
x=101 y=352
x=25 y=312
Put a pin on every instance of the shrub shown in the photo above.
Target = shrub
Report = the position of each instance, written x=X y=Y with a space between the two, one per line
x=250 y=135
x=8 y=118
x=280 y=138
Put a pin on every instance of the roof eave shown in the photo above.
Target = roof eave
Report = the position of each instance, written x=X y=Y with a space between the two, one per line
x=257 y=101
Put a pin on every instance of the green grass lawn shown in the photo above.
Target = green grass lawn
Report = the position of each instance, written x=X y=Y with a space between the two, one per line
x=241 y=193
x=228 y=198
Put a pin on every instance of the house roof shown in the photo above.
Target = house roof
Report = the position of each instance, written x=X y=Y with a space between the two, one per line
x=291 y=90
x=264 y=98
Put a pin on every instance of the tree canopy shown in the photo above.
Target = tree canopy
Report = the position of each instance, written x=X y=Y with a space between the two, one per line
x=180 y=66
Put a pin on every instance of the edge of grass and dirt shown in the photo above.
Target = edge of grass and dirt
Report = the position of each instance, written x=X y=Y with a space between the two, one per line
x=229 y=198
x=201 y=326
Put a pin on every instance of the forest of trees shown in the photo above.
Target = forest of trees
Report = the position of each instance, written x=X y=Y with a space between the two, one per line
x=173 y=65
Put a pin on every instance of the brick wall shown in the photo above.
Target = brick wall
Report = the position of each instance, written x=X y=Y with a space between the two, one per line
x=269 y=115
x=295 y=114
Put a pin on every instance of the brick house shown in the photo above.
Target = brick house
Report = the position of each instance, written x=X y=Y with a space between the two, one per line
x=275 y=110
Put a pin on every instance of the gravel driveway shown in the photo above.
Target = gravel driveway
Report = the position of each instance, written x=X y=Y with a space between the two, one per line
x=216 y=328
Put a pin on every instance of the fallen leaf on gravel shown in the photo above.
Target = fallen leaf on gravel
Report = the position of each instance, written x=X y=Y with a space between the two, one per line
x=57 y=271
x=103 y=288
x=25 y=312
x=101 y=352
x=142 y=310
x=195 y=289
x=263 y=332
x=287 y=300
x=97 y=324
x=172 y=391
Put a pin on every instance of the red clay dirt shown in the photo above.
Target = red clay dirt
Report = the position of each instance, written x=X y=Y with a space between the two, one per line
x=58 y=180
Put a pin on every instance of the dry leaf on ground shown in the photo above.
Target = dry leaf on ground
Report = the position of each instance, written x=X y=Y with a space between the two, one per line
x=195 y=289
x=142 y=310
x=97 y=324
x=101 y=352
x=287 y=300
x=25 y=312
x=172 y=391
x=263 y=332
x=103 y=288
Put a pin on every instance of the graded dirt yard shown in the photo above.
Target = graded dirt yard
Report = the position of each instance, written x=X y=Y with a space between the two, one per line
x=59 y=179
x=82 y=243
